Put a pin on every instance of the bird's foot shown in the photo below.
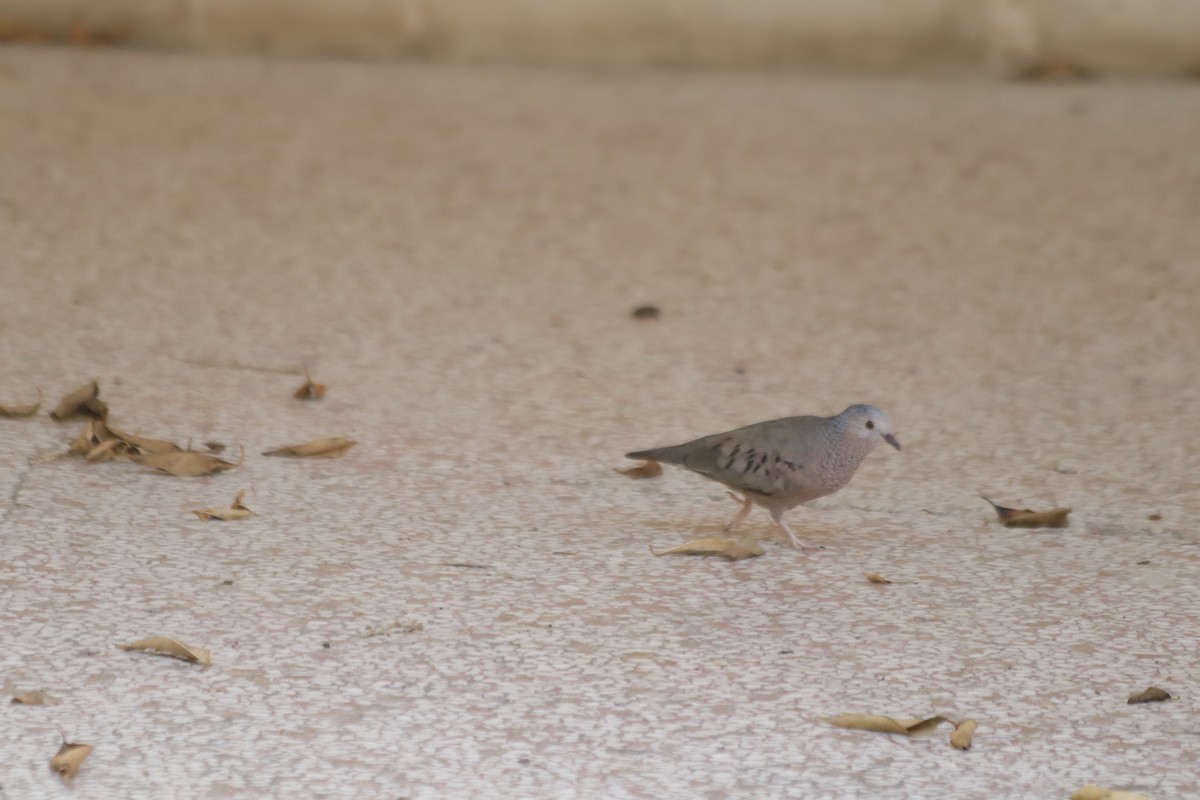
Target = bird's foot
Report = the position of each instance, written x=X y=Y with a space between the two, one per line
x=796 y=543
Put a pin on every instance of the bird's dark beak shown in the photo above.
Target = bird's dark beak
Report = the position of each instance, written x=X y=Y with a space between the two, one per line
x=892 y=440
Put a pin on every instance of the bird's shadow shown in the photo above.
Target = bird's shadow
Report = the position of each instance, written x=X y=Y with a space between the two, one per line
x=763 y=533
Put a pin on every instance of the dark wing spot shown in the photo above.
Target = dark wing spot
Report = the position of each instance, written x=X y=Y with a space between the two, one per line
x=732 y=457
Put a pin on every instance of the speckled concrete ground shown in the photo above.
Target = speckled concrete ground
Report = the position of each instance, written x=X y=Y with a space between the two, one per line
x=1011 y=270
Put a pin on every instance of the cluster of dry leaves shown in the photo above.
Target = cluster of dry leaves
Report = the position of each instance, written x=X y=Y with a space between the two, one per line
x=98 y=442
x=963 y=732
x=71 y=755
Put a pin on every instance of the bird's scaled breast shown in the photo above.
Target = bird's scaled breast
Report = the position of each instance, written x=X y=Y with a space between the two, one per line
x=837 y=466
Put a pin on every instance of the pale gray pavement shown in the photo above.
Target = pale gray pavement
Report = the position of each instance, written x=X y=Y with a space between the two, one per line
x=1011 y=270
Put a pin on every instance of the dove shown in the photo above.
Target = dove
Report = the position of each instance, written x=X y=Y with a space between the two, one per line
x=784 y=462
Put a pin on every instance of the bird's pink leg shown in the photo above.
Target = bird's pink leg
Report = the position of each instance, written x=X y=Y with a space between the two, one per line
x=778 y=517
x=740 y=517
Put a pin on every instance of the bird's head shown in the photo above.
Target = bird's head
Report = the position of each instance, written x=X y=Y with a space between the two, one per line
x=870 y=423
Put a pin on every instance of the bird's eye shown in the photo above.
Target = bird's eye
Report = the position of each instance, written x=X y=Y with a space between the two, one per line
x=870 y=424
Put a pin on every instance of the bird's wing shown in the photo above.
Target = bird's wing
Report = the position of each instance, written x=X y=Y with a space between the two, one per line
x=766 y=458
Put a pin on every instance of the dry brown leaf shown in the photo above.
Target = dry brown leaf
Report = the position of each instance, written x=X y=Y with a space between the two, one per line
x=22 y=410
x=960 y=737
x=733 y=550
x=164 y=646
x=647 y=469
x=69 y=759
x=1094 y=792
x=95 y=408
x=97 y=442
x=875 y=577
x=93 y=434
x=101 y=441
x=235 y=511
x=144 y=444
x=183 y=463
x=1027 y=518
x=309 y=390
x=1151 y=695
x=881 y=724
x=120 y=444
x=334 y=447
x=108 y=451
x=83 y=401
x=214 y=447
x=38 y=698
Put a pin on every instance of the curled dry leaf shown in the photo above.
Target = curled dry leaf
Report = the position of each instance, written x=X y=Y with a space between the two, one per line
x=107 y=450
x=875 y=577
x=98 y=441
x=881 y=724
x=1027 y=518
x=38 y=698
x=647 y=469
x=733 y=550
x=164 y=646
x=184 y=463
x=1151 y=695
x=334 y=447
x=94 y=433
x=960 y=737
x=84 y=401
x=69 y=759
x=1094 y=792
x=145 y=444
x=309 y=390
x=235 y=511
x=22 y=410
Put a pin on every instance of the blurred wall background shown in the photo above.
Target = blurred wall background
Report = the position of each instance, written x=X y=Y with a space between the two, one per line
x=1076 y=37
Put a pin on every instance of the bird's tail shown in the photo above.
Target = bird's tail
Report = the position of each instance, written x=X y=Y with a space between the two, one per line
x=666 y=455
